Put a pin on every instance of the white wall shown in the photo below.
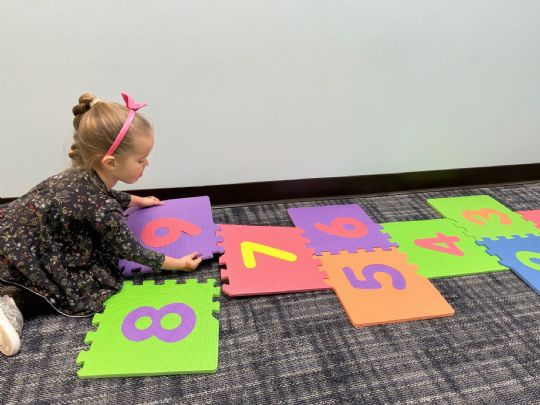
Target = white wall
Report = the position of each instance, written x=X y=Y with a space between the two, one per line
x=255 y=90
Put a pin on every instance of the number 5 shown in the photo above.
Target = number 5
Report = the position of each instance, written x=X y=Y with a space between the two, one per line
x=370 y=283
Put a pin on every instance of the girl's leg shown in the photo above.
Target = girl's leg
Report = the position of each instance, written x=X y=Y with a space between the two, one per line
x=11 y=324
x=30 y=304
x=14 y=302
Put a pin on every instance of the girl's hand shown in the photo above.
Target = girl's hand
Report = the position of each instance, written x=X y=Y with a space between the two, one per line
x=142 y=202
x=149 y=201
x=187 y=263
x=191 y=261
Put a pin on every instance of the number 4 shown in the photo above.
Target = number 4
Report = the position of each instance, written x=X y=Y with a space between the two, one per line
x=441 y=239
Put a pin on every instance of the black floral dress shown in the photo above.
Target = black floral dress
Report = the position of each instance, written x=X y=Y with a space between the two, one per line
x=62 y=240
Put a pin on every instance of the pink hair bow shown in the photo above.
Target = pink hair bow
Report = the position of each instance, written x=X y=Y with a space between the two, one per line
x=133 y=106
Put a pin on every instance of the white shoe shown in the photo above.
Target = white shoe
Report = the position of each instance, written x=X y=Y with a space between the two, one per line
x=11 y=324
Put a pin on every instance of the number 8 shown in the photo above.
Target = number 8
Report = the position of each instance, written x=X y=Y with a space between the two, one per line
x=135 y=334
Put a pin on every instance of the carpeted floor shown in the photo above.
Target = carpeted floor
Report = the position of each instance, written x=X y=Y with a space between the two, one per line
x=302 y=349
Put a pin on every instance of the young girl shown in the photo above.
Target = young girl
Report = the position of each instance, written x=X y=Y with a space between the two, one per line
x=62 y=240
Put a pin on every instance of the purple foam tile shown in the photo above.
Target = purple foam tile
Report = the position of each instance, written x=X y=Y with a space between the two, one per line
x=334 y=228
x=176 y=228
x=128 y=268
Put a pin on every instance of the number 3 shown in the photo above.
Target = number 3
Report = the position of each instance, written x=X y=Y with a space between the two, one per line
x=485 y=213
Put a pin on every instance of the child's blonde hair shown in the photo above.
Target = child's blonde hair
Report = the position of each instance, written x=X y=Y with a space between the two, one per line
x=97 y=123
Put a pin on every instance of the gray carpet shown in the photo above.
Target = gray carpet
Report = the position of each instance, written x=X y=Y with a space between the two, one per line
x=302 y=349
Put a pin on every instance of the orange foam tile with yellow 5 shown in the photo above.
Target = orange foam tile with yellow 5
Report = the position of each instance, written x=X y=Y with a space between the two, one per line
x=382 y=287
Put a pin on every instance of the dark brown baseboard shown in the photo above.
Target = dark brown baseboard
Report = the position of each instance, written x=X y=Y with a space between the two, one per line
x=230 y=194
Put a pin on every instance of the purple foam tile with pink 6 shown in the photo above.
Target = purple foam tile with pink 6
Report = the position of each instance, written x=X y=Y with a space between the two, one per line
x=334 y=228
x=176 y=228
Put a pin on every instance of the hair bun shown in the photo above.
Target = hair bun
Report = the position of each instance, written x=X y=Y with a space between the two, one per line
x=84 y=105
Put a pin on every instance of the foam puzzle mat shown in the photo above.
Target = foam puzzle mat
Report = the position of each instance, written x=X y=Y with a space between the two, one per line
x=154 y=329
x=441 y=249
x=176 y=228
x=379 y=273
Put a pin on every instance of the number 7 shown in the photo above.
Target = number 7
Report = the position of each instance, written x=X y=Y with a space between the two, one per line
x=248 y=250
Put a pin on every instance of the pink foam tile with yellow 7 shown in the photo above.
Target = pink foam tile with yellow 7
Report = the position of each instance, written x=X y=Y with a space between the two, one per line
x=267 y=260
